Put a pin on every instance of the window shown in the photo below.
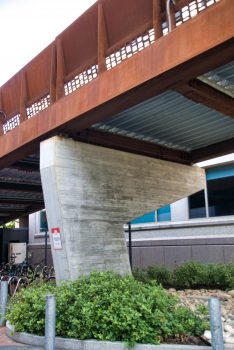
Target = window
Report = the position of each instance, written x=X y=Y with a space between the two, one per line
x=146 y=218
x=197 y=207
x=220 y=188
x=43 y=221
x=220 y=194
x=164 y=214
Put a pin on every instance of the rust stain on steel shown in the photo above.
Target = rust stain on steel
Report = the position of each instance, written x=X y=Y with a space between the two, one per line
x=203 y=43
x=216 y=150
x=202 y=93
x=38 y=79
x=124 y=21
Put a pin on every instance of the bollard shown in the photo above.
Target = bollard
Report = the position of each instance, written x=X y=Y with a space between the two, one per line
x=216 y=324
x=3 y=301
x=50 y=317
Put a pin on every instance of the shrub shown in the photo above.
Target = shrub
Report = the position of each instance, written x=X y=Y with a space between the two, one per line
x=192 y=275
x=105 y=306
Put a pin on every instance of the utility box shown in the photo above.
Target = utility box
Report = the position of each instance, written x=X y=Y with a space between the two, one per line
x=18 y=251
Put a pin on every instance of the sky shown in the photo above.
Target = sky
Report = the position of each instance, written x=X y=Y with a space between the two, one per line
x=28 y=26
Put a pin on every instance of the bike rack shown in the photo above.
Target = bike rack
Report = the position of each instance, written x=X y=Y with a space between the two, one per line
x=12 y=277
x=17 y=286
x=3 y=277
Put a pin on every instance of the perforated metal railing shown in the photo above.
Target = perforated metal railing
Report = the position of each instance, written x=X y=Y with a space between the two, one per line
x=125 y=52
x=38 y=106
x=130 y=49
x=35 y=108
x=11 y=123
x=136 y=45
x=192 y=9
x=81 y=79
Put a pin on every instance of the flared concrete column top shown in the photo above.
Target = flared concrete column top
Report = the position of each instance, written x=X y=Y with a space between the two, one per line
x=91 y=191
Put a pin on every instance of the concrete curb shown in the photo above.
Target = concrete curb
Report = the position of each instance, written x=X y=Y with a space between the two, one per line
x=74 y=344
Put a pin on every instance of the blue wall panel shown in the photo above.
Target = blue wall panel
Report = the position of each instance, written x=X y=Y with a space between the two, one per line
x=219 y=172
x=164 y=214
x=146 y=218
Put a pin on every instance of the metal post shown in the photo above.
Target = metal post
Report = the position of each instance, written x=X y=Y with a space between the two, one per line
x=206 y=201
x=3 y=243
x=3 y=301
x=216 y=324
x=130 y=243
x=50 y=322
x=46 y=248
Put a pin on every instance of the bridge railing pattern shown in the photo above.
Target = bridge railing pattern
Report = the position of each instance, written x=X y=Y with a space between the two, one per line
x=38 y=106
x=191 y=10
x=183 y=11
x=81 y=79
x=11 y=123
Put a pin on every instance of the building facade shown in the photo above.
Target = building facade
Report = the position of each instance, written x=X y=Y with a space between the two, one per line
x=199 y=227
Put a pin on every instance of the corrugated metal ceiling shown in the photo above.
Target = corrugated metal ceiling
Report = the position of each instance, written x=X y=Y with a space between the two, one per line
x=20 y=176
x=221 y=78
x=173 y=121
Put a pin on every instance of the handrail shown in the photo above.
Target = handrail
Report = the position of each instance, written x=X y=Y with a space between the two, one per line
x=3 y=114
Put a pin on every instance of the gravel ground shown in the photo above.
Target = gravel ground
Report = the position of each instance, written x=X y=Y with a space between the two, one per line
x=194 y=298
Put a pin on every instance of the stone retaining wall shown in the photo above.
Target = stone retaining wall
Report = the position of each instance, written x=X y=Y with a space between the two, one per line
x=167 y=250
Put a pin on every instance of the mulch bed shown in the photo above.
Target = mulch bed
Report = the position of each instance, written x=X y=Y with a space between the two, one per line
x=186 y=339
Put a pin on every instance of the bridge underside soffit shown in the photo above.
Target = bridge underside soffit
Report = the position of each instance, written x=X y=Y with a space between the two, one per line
x=181 y=126
x=168 y=97
x=190 y=118
x=20 y=189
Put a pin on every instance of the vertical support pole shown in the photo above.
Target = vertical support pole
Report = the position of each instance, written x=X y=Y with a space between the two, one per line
x=1 y=124
x=102 y=40
x=53 y=76
x=23 y=98
x=46 y=248
x=2 y=116
x=206 y=201
x=50 y=318
x=3 y=301
x=4 y=258
x=157 y=23
x=130 y=243
x=216 y=324
x=61 y=71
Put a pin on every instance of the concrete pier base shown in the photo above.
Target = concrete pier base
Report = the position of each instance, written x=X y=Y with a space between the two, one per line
x=91 y=191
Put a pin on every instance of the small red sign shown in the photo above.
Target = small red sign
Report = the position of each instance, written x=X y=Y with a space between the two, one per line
x=56 y=238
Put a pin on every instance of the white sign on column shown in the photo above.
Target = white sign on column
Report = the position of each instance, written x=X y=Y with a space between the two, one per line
x=56 y=238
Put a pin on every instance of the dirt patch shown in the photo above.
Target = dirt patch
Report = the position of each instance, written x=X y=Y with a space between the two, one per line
x=186 y=339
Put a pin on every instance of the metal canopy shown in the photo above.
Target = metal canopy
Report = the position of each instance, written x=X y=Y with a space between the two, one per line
x=173 y=121
x=20 y=191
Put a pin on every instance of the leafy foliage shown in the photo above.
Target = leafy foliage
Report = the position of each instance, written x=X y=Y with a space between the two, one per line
x=106 y=306
x=10 y=224
x=192 y=274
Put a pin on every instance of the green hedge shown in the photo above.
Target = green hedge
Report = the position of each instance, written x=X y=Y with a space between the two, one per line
x=106 y=306
x=191 y=275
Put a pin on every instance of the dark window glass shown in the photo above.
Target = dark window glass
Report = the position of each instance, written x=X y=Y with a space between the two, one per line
x=221 y=196
x=44 y=226
x=197 y=207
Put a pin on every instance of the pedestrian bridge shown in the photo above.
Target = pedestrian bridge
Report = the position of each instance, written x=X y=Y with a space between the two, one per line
x=147 y=77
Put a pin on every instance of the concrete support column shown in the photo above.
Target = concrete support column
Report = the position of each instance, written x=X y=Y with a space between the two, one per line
x=91 y=191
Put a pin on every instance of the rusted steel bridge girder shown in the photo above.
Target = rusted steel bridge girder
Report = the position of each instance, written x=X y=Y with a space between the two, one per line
x=199 y=45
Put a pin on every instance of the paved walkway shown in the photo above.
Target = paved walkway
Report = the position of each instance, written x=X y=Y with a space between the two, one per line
x=8 y=344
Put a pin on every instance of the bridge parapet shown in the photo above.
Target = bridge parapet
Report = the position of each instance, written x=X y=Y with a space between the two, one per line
x=104 y=36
